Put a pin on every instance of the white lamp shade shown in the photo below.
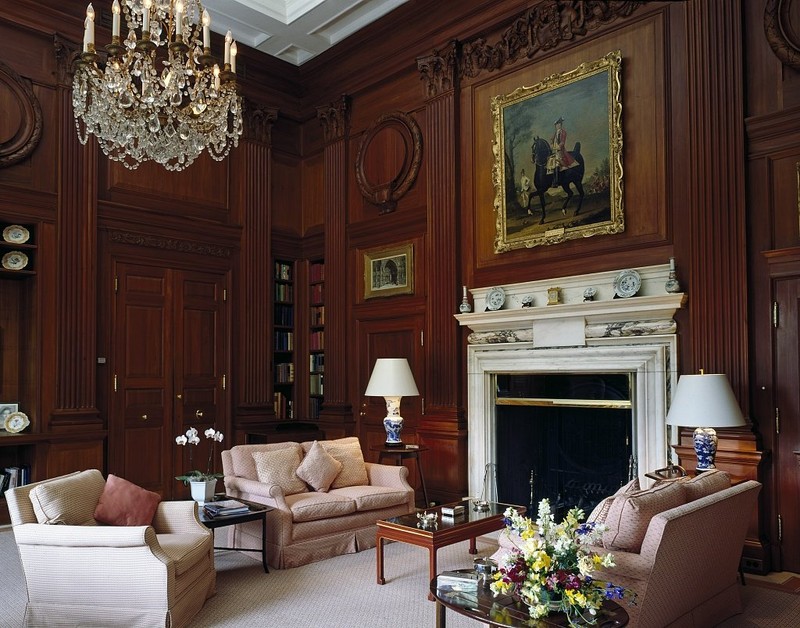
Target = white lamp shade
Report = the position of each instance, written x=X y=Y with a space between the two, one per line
x=704 y=401
x=391 y=377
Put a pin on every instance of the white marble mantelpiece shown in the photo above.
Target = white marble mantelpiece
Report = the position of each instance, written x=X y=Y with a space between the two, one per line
x=637 y=335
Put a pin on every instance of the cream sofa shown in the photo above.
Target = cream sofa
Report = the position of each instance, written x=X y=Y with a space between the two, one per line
x=677 y=548
x=686 y=572
x=306 y=525
x=81 y=573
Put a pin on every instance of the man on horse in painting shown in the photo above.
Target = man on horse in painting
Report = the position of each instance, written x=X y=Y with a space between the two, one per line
x=561 y=158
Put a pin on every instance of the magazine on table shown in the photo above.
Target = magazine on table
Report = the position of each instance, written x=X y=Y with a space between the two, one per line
x=225 y=507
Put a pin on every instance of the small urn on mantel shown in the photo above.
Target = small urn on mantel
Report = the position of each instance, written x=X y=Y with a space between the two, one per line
x=465 y=307
x=672 y=284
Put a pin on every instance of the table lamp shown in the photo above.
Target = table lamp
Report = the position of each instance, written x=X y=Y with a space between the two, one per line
x=392 y=379
x=704 y=401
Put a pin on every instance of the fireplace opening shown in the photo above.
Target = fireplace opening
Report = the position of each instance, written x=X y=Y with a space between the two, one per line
x=566 y=437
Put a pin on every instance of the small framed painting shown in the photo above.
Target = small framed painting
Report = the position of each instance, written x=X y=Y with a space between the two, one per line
x=5 y=410
x=389 y=271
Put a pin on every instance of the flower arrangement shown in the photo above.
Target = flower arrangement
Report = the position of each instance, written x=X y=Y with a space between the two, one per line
x=550 y=568
x=192 y=438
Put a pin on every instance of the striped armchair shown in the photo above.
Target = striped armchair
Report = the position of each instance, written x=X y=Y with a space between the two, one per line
x=81 y=573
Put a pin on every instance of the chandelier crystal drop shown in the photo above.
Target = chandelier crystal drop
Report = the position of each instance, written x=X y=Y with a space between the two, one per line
x=161 y=95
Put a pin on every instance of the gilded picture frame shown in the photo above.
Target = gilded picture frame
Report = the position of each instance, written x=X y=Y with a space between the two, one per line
x=389 y=271
x=557 y=170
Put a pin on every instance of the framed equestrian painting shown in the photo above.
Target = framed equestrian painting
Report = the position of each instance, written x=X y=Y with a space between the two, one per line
x=389 y=271
x=557 y=170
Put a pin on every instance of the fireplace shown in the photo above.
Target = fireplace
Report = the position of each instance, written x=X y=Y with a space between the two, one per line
x=537 y=419
x=551 y=380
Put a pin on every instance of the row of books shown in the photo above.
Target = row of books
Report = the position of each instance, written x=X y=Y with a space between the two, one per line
x=14 y=477
x=283 y=271
x=316 y=272
x=225 y=508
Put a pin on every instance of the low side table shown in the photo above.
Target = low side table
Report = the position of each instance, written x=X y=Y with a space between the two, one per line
x=401 y=453
x=257 y=512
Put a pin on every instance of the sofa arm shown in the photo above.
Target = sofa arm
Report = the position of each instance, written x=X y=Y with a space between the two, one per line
x=84 y=536
x=178 y=517
x=253 y=490
x=386 y=475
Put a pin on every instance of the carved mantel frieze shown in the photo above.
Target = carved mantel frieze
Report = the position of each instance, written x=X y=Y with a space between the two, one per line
x=169 y=244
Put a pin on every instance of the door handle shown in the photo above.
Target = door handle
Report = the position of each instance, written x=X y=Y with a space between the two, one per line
x=180 y=396
x=144 y=417
x=198 y=414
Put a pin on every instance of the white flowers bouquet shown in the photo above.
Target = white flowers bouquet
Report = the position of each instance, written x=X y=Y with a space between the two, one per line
x=192 y=438
x=550 y=568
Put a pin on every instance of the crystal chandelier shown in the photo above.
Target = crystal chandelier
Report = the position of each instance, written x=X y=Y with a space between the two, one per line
x=161 y=95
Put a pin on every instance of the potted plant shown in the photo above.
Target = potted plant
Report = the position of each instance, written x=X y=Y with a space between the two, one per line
x=202 y=484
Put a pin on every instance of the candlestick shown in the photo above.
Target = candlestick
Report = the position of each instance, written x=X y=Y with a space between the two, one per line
x=146 y=18
x=216 y=77
x=178 y=19
x=464 y=294
x=228 y=40
x=234 y=51
x=206 y=29
x=115 y=10
x=88 y=28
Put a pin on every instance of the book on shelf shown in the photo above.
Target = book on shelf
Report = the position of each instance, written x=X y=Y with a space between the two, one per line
x=225 y=508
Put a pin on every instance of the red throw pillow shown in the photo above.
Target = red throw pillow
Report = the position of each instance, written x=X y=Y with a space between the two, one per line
x=122 y=503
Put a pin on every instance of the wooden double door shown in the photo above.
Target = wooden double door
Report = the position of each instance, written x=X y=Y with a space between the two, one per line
x=169 y=362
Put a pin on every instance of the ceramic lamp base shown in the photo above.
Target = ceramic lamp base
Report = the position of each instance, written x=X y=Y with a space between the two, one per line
x=705 y=446
x=393 y=426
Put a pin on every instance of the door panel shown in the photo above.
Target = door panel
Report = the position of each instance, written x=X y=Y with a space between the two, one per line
x=787 y=374
x=143 y=374
x=170 y=353
x=393 y=338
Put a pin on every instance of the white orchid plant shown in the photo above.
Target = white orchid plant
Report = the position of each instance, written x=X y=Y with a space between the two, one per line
x=192 y=437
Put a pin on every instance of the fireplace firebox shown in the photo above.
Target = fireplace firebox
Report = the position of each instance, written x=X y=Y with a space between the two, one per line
x=565 y=437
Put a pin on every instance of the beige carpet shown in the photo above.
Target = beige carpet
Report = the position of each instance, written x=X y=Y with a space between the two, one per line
x=342 y=592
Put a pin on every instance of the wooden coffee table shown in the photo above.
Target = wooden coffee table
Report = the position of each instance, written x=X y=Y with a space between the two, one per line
x=503 y=610
x=472 y=524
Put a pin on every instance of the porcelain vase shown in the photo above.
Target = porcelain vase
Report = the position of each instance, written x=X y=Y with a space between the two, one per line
x=203 y=491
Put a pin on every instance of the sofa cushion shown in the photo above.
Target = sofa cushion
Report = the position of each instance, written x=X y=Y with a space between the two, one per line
x=70 y=500
x=319 y=469
x=600 y=512
x=348 y=452
x=373 y=497
x=242 y=463
x=704 y=484
x=630 y=514
x=279 y=466
x=315 y=506
x=122 y=503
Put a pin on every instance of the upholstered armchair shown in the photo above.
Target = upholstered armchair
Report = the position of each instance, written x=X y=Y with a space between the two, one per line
x=79 y=572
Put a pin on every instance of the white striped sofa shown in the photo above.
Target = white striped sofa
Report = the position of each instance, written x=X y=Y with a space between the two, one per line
x=306 y=525
x=81 y=573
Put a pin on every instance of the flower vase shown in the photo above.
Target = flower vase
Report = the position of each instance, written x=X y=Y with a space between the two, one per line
x=203 y=491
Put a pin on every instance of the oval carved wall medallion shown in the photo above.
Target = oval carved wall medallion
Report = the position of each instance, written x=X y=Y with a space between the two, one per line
x=782 y=28
x=21 y=122
x=388 y=160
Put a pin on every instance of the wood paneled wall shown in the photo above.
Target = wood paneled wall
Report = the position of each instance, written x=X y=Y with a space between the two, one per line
x=693 y=189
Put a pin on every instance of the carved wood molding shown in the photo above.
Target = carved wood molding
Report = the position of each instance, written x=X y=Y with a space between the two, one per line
x=169 y=244
x=335 y=118
x=22 y=128
x=258 y=121
x=67 y=55
x=543 y=27
x=782 y=35
x=385 y=194
x=439 y=70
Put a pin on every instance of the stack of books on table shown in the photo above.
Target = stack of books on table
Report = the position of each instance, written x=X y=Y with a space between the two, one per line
x=225 y=508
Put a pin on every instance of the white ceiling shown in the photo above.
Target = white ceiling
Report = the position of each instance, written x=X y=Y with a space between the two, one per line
x=294 y=30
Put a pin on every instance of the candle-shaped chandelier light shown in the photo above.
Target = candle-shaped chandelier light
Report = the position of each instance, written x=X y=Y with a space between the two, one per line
x=161 y=95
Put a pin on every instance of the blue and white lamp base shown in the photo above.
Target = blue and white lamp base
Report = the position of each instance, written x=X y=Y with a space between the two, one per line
x=393 y=426
x=705 y=446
